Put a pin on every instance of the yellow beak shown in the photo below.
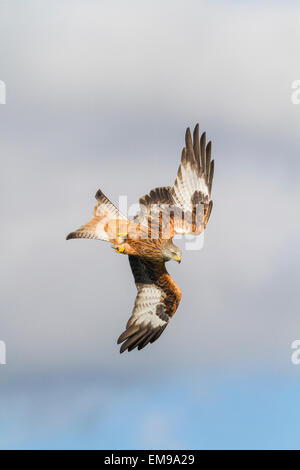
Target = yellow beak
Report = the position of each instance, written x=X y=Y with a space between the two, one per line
x=177 y=258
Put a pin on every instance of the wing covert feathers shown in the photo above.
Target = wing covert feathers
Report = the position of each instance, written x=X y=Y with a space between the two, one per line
x=156 y=302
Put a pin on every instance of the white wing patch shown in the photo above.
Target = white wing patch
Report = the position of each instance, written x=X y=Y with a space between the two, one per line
x=191 y=190
x=145 y=307
x=186 y=183
x=154 y=305
x=144 y=325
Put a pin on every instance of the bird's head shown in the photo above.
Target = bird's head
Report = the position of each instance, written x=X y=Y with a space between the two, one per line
x=171 y=251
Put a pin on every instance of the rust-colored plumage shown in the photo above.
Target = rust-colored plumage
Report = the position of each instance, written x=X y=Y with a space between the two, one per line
x=184 y=208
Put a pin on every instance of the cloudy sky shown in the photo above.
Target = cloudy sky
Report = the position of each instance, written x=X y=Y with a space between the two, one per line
x=98 y=95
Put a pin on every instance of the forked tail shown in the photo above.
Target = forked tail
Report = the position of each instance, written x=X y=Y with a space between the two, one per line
x=105 y=223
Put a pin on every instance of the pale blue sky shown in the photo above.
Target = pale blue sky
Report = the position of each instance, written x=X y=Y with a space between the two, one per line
x=193 y=410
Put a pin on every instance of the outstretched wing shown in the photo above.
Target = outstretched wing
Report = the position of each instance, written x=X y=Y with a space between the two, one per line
x=156 y=302
x=105 y=222
x=185 y=207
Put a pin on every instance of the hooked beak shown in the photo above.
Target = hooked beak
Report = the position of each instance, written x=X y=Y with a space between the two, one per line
x=177 y=258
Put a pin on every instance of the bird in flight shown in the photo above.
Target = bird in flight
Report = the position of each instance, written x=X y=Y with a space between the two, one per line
x=183 y=208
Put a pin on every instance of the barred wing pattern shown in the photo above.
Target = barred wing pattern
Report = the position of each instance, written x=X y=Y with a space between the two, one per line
x=164 y=212
x=191 y=190
x=156 y=302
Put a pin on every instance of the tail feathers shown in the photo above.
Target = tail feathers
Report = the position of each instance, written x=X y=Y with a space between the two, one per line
x=105 y=222
x=105 y=205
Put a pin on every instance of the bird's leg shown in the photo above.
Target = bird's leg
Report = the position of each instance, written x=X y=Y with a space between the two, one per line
x=118 y=246
x=122 y=234
x=122 y=229
x=124 y=248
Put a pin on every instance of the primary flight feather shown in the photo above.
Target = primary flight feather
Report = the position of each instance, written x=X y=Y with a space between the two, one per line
x=183 y=208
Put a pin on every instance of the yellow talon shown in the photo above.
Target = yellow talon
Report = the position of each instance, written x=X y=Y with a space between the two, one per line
x=120 y=249
x=121 y=234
